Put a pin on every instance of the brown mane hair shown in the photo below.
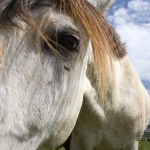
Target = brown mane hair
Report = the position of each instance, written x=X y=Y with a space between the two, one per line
x=106 y=44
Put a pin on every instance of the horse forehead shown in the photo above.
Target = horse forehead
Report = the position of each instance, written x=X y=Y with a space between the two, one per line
x=61 y=19
x=48 y=2
x=55 y=17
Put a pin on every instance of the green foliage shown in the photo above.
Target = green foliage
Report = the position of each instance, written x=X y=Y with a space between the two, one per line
x=144 y=145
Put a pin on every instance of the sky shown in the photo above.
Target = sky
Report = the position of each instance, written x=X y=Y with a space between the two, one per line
x=131 y=19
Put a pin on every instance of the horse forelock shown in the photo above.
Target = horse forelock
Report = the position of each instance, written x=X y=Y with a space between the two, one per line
x=106 y=44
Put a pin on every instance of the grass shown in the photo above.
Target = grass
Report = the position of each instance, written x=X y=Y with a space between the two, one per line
x=144 y=145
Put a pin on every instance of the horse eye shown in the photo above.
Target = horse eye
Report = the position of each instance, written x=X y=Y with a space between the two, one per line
x=63 y=41
x=69 y=42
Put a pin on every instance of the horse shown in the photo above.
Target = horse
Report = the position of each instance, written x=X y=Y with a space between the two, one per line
x=119 y=122
x=63 y=70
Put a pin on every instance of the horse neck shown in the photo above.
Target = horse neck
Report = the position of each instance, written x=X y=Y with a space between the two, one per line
x=125 y=83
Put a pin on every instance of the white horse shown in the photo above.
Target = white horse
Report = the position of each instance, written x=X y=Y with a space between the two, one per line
x=119 y=123
x=56 y=56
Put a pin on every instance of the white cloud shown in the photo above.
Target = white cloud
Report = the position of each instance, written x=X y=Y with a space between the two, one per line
x=139 y=6
x=133 y=25
x=137 y=38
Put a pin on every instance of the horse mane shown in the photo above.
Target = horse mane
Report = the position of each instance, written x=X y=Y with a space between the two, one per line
x=106 y=43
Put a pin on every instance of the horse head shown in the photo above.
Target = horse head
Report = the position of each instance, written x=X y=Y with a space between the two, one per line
x=43 y=67
x=56 y=57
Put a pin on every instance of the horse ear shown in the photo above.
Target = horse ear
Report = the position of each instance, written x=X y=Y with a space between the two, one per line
x=103 y=5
